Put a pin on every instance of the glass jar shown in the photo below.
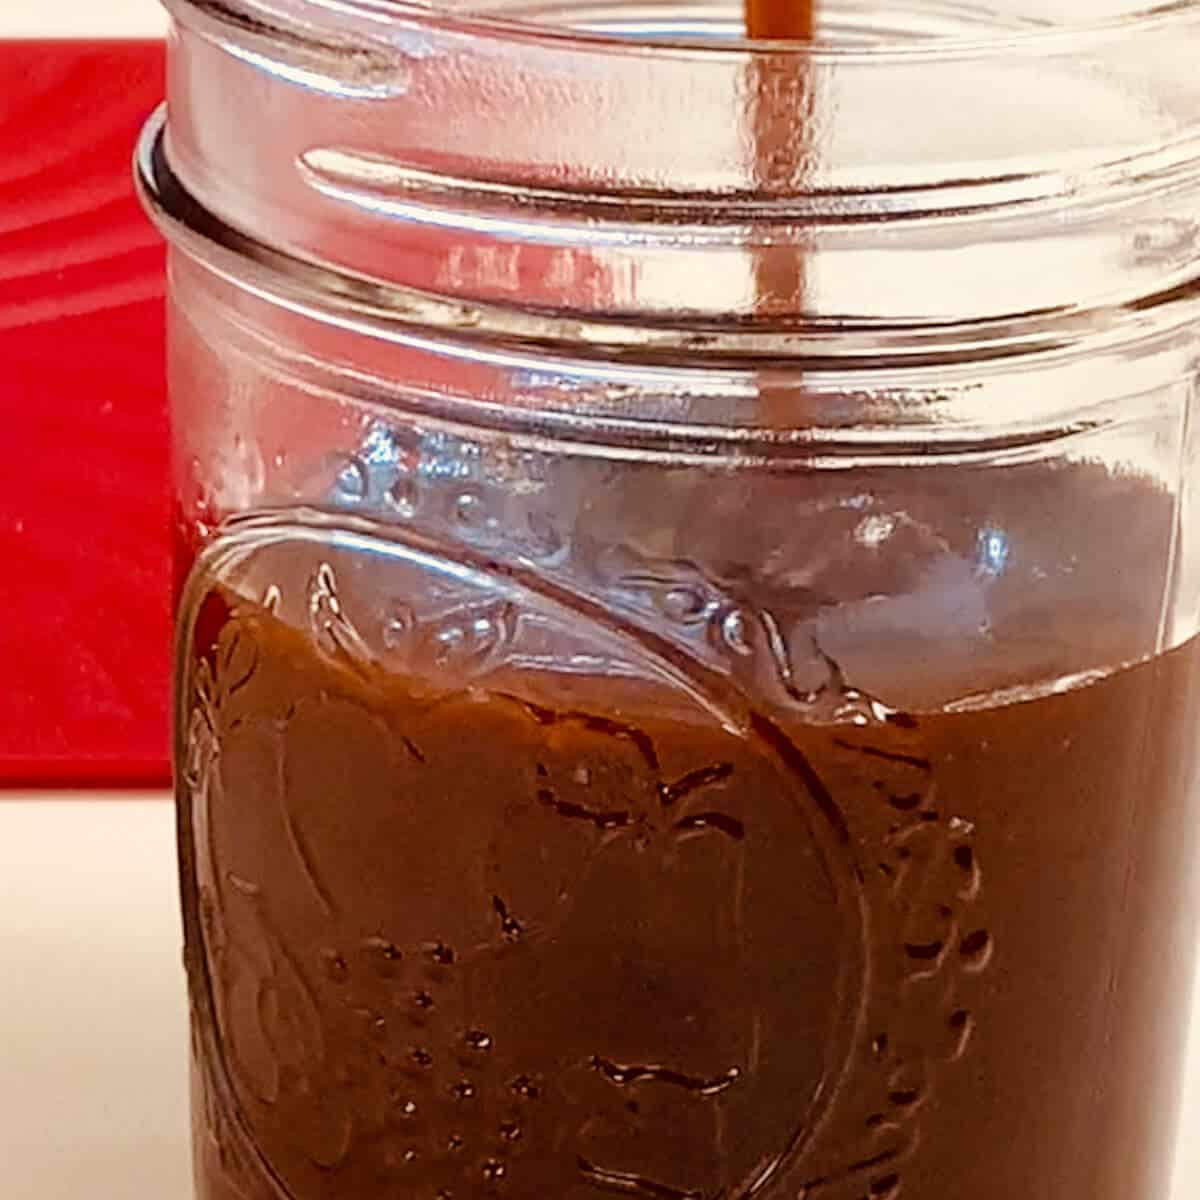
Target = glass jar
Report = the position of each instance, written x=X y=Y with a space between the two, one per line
x=687 y=671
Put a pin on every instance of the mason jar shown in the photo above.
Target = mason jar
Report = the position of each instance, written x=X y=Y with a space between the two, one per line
x=686 y=677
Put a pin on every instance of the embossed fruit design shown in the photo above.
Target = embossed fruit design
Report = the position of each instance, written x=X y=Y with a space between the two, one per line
x=463 y=940
x=457 y=935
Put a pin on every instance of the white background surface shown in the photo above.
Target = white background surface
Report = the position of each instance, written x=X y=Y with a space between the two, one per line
x=81 y=18
x=93 y=1024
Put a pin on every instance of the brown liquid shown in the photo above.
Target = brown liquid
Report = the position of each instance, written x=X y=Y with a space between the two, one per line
x=781 y=133
x=772 y=20
x=467 y=943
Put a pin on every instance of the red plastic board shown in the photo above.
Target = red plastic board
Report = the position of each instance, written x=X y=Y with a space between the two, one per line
x=84 y=560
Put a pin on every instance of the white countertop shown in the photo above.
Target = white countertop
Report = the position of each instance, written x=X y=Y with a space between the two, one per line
x=82 y=18
x=93 y=1024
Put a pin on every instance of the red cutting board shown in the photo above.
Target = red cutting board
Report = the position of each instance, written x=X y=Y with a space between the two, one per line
x=84 y=560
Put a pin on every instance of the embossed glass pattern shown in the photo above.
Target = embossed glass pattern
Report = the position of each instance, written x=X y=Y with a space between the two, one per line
x=642 y=733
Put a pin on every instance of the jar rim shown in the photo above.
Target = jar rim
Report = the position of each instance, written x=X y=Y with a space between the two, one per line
x=622 y=182
x=1007 y=43
x=283 y=278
